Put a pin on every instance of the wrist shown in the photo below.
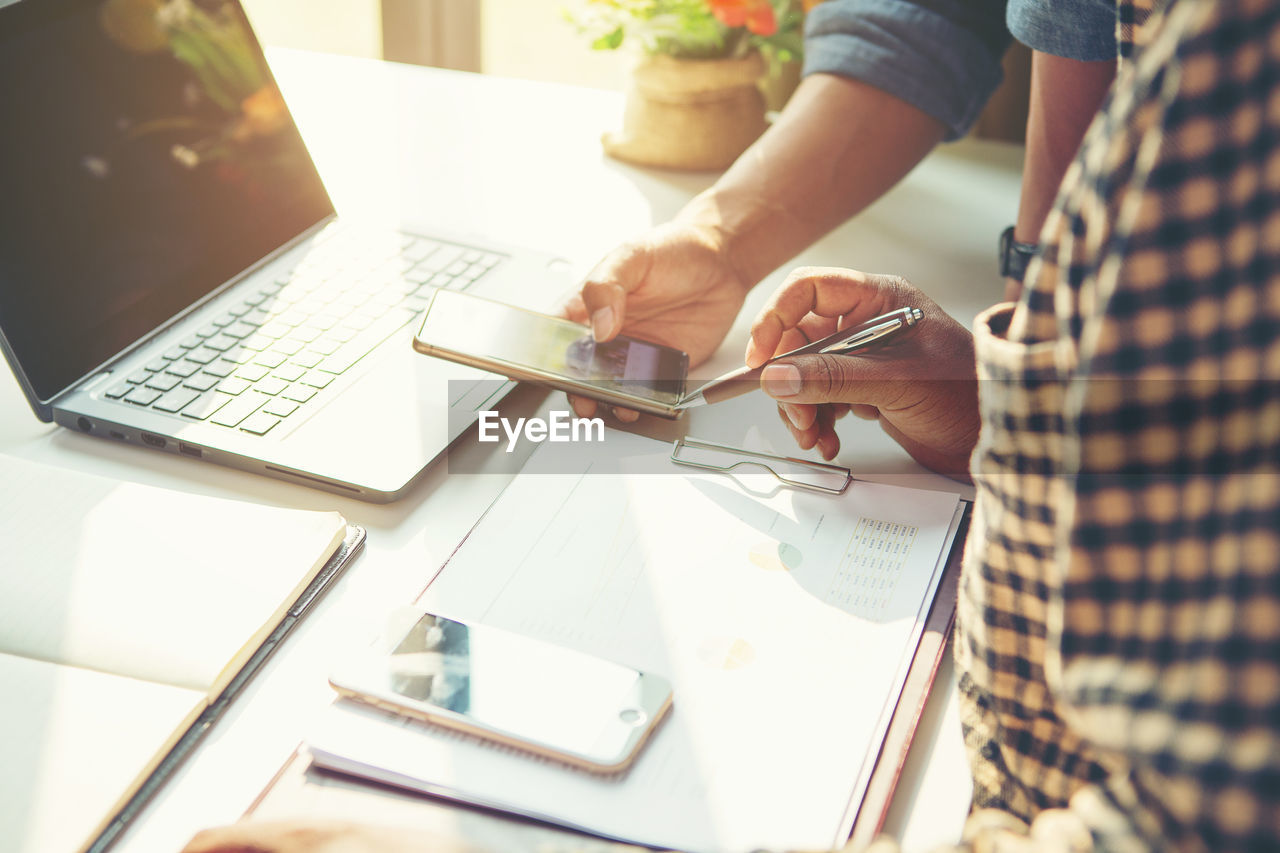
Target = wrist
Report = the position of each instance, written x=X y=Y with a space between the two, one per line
x=743 y=233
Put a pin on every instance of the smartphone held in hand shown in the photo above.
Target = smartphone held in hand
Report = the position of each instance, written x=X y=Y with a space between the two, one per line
x=533 y=347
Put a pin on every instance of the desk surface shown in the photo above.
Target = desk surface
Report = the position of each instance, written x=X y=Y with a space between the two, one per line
x=520 y=162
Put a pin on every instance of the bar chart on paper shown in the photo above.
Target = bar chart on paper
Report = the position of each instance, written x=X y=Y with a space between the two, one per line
x=758 y=605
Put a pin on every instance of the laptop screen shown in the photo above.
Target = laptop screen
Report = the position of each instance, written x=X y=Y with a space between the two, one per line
x=146 y=158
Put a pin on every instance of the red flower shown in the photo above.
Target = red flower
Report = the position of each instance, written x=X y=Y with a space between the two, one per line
x=756 y=15
x=731 y=13
x=760 y=19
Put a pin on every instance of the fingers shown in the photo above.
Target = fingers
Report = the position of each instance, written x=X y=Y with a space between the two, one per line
x=604 y=292
x=820 y=432
x=800 y=416
x=587 y=408
x=573 y=308
x=823 y=378
x=582 y=406
x=824 y=291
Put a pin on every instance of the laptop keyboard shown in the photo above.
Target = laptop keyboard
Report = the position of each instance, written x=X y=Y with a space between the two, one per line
x=271 y=355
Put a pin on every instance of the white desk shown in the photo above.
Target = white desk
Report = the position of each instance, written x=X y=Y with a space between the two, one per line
x=521 y=162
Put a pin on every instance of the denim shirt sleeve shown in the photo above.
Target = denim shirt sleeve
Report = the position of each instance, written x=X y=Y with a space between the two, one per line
x=1075 y=29
x=940 y=56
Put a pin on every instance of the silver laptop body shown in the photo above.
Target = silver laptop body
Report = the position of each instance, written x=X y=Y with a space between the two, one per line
x=173 y=275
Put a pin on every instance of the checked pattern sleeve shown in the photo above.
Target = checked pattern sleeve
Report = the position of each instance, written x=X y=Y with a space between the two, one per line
x=1119 y=626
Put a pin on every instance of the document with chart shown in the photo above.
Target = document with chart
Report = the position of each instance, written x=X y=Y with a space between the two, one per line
x=785 y=619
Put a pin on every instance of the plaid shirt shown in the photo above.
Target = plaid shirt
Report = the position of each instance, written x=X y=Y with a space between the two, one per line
x=1118 y=631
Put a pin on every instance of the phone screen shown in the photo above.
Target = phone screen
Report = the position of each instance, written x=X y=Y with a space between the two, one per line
x=502 y=333
x=506 y=683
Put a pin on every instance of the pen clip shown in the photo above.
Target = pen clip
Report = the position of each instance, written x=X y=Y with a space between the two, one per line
x=867 y=334
x=797 y=473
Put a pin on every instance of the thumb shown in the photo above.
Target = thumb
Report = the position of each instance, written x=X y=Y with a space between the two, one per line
x=825 y=378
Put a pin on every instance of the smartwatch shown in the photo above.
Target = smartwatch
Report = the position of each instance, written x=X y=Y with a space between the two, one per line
x=1015 y=256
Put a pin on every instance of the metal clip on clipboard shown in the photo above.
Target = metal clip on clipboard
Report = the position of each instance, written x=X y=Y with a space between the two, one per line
x=798 y=473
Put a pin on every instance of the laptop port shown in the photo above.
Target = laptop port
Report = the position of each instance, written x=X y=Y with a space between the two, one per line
x=153 y=440
x=118 y=436
x=188 y=450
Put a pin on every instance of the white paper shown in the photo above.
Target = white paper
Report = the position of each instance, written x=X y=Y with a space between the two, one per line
x=784 y=620
x=146 y=582
x=73 y=743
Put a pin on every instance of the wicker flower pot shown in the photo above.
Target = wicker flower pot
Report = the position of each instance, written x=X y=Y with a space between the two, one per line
x=690 y=113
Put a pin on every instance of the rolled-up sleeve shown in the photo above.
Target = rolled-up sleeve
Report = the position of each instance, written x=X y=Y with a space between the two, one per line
x=940 y=56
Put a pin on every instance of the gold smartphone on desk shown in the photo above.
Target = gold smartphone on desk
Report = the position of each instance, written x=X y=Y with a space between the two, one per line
x=513 y=690
x=540 y=348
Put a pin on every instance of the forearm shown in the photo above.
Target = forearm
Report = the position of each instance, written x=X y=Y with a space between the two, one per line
x=1065 y=96
x=837 y=147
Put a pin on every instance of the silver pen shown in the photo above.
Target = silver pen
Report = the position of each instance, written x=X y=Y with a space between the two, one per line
x=744 y=379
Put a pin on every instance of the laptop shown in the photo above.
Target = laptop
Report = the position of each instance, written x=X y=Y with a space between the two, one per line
x=173 y=274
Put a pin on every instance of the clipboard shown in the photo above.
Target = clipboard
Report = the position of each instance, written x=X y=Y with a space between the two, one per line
x=914 y=696
x=300 y=788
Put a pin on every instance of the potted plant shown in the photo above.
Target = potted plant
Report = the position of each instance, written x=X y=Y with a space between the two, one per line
x=694 y=100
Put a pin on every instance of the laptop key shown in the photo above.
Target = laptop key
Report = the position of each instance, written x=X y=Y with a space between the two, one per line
x=138 y=377
x=239 y=329
x=163 y=381
x=272 y=386
x=221 y=343
x=182 y=368
x=221 y=367
x=317 y=379
x=280 y=408
x=253 y=372
x=259 y=423
x=257 y=343
x=115 y=392
x=328 y=346
x=175 y=400
x=234 y=385
x=290 y=372
x=203 y=382
x=299 y=393
x=156 y=364
x=202 y=355
x=238 y=409
x=206 y=406
x=142 y=396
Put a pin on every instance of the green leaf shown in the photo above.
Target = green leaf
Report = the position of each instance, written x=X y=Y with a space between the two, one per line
x=608 y=41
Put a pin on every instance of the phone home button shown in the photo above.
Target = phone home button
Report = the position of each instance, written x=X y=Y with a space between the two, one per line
x=632 y=716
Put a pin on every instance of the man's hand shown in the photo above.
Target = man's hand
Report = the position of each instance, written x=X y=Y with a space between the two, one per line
x=921 y=386
x=315 y=836
x=674 y=286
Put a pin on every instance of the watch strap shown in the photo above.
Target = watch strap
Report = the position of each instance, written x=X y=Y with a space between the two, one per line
x=1015 y=256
